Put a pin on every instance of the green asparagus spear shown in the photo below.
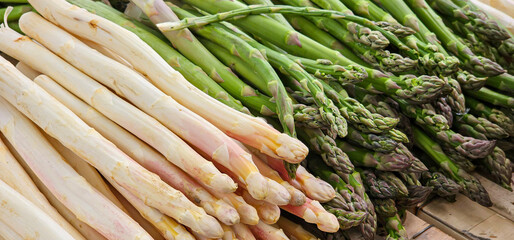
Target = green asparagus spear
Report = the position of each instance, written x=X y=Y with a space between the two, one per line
x=278 y=17
x=442 y=186
x=380 y=161
x=499 y=167
x=373 y=142
x=16 y=12
x=377 y=188
x=482 y=125
x=493 y=97
x=492 y=114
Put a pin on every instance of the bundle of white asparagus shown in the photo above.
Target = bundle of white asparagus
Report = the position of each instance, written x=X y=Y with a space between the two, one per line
x=102 y=139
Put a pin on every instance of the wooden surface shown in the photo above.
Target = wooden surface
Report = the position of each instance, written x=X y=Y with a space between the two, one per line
x=421 y=230
x=465 y=219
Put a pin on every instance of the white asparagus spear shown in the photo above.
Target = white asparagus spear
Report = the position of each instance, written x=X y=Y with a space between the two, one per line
x=229 y=233
x=66 y=184
x=12 y=173
x=243 y=232
x=7 y=233
x=294 y=231
x=245 y=128
x=27 y=220
x=314 y=187
x=86 y=231
x=142 y=153
x=169 y=228
x=268 y=213
x=127 y=83
x=268 y=232
x=117 y=109
x=247 y=212
x=60 y=123
x=26 y=70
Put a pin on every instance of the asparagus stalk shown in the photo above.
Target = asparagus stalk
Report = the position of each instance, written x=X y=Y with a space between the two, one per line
x=268 y=213
x=16 y=12
x=503 y=82
x=293 y=230
x=456 y=98
x=107 y=102
x=417 y=192
x=26 y=220
x=492 y=114
x=474 y=63
x=12 y=174
x=143 y=154
x=441 y=185
x=417 y=165
x=313 y=212
x=243 y=232
x=492 y=97
x=378 y=143
x=393 y=180
x=66 y=184
x=27 y=71
x=385 y=208
x=315 y=188
x=369 y=226
x=500 y=168
x=395 y=229
x=278 y=17
x=66 y=127
x=377 y=160
x=471 y=187
x=261 y=136
x=377 y=188
x=265 y=231
x=247 y=213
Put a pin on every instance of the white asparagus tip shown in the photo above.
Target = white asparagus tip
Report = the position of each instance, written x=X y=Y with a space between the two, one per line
x=223 y=183
x=291 y=149
x=248 y=214
x=278 y=194
x=297 y=197
x=204 y=225
x=257 y=185
x=226 y=213
x=327 y=222
x=319 y=190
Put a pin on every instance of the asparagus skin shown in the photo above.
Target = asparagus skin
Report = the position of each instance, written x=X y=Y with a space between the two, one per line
x=313 y=212
x=27 y=71
x=278 y=17
x=377 y=188
x=474 y=63
x=243 y=232
x=417 y=165
x=417 y=192
x=369 y=226
x=395 y=229
x=12 y=174
x=456 y=98
x=471 y=187
x=503 y=82
x=315 y=188
x=96 y=147
x=265 y=231
x=54 y=171
x=492 y=97
x=492 y=114
x=500 y=168
x=377 y=160
x=142 y=153
x=442 y=186
x=247 y=213
x=25 y=219
x=91 y=91
x=293 y=230
x=268 y=213
x=394 y=180
x=288 y=149
x=385 y=208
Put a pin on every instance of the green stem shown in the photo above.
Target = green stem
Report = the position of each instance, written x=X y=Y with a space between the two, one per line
x=16 y=12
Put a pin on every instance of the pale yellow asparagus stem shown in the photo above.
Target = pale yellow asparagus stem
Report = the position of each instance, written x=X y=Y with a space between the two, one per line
x=66 y=184
x=297 y=196
x=85 y=170
x=114 y=107
x=106 y=52
x=168 y=227
x=243 y=232
x=27 y=220
x=268 y=232
x=268 y=213
x=142 y=153
x=12 y=173
x=314 y=187
x=60 y=123
x=85 y=230
x=229 y=233
x=294 y=231
x=313 y=212
x=134 y=214
x=7 y=233
x=26 y=70
x=95 y=179
x=247 y=212
x=247 y=129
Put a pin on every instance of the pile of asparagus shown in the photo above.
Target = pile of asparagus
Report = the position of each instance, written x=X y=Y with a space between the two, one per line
x=397 y=101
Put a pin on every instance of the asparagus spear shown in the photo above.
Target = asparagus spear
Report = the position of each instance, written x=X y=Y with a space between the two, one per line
x=265 y=231
x=278 y=17
x=25 y=219
x=395 y=229
x=493 y=97
x=503 y=82
x=417 y=192
x=369 y=226
x=499 y=167
x=243 y=232
x=393 y=180
x=481 y=125
x=142 y=153
x=471 y=187
x=377 y=160
x=313 y=212
x=247 y=213
x=474 y=63
x=57 y=175
x=473 y=20
x=377 y=188
x=293 y=230
x=441 y=185
x=16 y=12
x=268 y=213
x=417 y=165
x=315 y=188
x=261 y=135
x=378 y=143
x=492 y=114
x=385 y=208
x=456 y=98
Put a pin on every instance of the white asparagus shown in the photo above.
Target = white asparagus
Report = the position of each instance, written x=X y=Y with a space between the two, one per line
x=247 y=212
x=86 y=231
x=314 y=187
x=506 y=6
x=27 y=220
x=503 y=15
x=245 y=128
x=229 y=233
x=127 y=83
x=60 y=123
x=294 y=231
x=268 y=213
x=66 y=184
x=142 y=153
x=243 y=232
x=114 y=107
x=12 y=173
x=169 y=228
x=7 y=233
x=268 y=232
x=26 y=70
